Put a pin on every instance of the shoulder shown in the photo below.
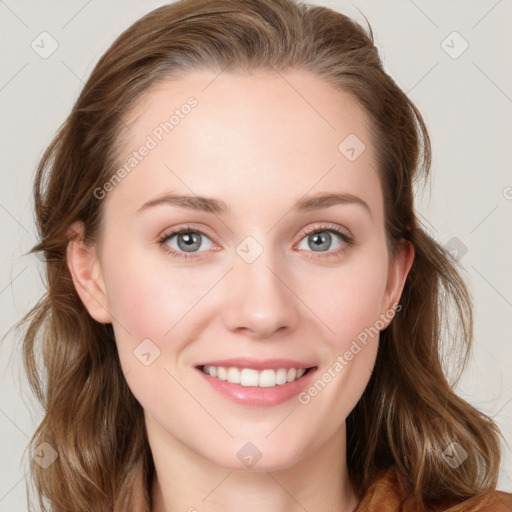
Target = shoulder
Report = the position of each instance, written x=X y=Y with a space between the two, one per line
x=494 y=501
x=386 y=494
x=502 y=500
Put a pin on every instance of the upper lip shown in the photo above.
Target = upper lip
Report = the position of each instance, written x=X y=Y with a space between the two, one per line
x=257 y=364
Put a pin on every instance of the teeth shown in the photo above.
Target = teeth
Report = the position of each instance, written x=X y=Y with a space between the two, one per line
x=250 y=377
x=281 y=376
x=290 y=376
x=233 y=375
x=267 y=379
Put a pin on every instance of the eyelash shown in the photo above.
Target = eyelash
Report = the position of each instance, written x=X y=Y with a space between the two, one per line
x=345 y=237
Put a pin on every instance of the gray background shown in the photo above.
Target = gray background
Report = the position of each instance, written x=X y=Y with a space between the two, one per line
x=466 y=101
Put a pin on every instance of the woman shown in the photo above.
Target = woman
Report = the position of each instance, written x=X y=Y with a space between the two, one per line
x=200 y=351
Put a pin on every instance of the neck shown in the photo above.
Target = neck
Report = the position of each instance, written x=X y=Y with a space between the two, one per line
x=186 y=481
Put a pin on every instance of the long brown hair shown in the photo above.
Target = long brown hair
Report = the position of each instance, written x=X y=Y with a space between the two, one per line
x=408 y=414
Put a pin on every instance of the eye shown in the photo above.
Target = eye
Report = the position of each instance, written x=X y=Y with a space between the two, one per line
x=188 y=241
x=320 y=239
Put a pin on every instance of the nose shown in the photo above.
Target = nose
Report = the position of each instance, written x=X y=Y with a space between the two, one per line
x=260 y=300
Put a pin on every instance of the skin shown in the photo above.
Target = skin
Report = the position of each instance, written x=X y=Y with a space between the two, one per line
x=258 y=142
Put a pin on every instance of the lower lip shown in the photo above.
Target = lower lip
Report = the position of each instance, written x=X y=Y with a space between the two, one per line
x=256 y=396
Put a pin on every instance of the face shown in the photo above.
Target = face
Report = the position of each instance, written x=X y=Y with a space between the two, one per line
x=265 y=278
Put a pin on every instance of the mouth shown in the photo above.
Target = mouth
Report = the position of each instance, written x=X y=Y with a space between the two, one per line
x=257 y=383
x=251 y=377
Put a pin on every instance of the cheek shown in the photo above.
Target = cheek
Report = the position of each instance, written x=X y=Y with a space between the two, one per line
x=145 y=297
x=149 y=307
x=144 y=306
x=349 y=299
x=350 y=308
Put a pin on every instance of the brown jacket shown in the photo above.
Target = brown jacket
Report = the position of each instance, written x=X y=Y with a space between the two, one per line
x=386 y=494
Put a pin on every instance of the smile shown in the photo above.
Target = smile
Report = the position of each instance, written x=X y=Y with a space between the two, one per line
x=265 y=378
x=257 y=382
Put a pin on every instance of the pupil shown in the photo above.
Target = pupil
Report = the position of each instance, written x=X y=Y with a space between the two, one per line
x=320 y=240
x=188 y=240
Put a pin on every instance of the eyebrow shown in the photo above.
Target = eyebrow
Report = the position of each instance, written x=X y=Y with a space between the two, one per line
x=213 y=205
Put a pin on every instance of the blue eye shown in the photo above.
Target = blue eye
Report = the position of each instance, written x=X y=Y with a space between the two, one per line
x=187 y=238
x=321 y=239
x=190 y=240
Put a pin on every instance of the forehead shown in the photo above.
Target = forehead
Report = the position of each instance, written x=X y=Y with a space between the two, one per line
x=297 y=104
x=245 y=138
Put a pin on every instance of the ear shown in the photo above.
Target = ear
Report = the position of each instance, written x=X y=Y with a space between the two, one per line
x=398 y=270
x=85 y=271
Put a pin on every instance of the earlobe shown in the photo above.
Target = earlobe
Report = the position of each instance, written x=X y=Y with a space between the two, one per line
x=399 y=269
x=84 y=267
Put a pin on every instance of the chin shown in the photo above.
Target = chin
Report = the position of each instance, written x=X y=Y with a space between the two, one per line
x=257 y=456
